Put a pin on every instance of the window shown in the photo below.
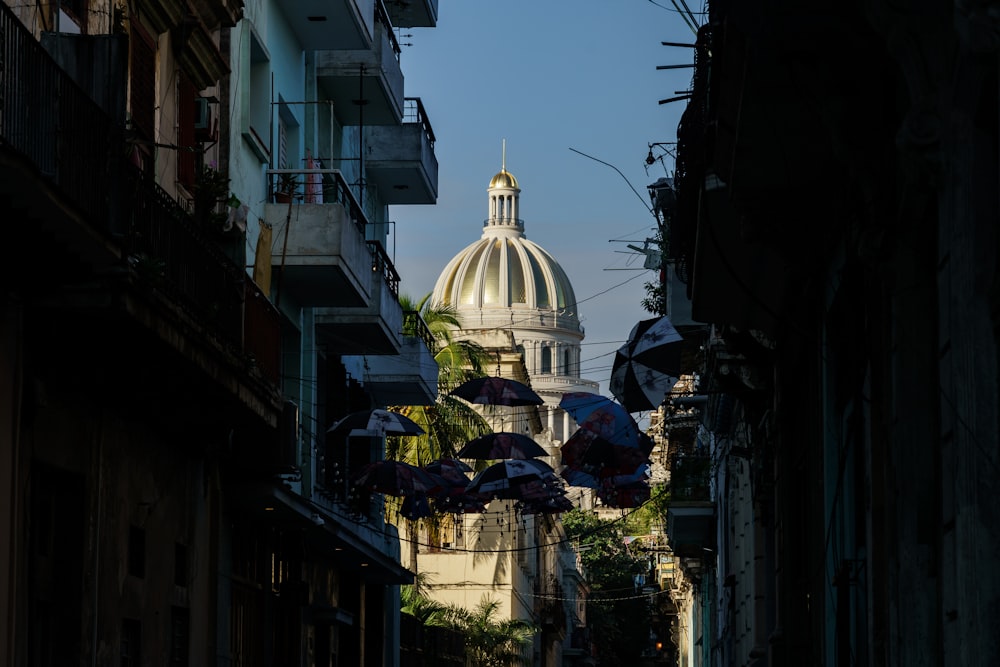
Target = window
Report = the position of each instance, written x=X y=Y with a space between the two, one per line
x=180 y=564
x=256 y=96
x=547 y=360
x=142 y=90
x=179 y=636
x=187 y=97
x=137 y=552
x=130 y=649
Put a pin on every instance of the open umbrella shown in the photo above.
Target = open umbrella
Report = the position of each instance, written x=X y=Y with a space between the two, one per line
x=397 y=478
x=501 y=445
x=503 y=479
x=586 y=451
x=647 y=366
x=452 y=470
x=497 y=391
x=624 y=497
x=376 y=422
x=603 y=416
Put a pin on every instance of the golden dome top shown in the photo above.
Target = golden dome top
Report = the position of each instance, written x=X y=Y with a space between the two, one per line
x=504 y=179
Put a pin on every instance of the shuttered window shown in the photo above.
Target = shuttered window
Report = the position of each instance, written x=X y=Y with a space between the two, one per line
x=142 y=82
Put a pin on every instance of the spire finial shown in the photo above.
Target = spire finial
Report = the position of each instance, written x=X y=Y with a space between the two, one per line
x=503 y=155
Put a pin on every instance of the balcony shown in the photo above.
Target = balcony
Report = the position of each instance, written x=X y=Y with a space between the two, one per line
x=365 y=84
x=401 y=161
x=691 y=513
x=409 y=378
x=319 y=256
x=103 y=246
x=691 y=528
x=412 y=13
x=332 y=24
x=374 y=328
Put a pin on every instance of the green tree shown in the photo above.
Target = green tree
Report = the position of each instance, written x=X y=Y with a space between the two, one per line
x=448 y=420
x=491 y=641
x=610 y=569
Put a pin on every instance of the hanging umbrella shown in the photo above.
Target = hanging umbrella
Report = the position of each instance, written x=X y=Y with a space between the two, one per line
x=375 y=423
x=586 y=451
x=603 y=416
x=555 y=504
x=624 y=497
x=502 y=479
x=577 y=477
x=416 y=507
x=397 y=478
x=452 y=470
x=452 y=497
x=497 y=391
x=647 y=366
x=501 y=445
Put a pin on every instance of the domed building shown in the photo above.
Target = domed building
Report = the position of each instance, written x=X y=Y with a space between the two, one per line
x=511 y=296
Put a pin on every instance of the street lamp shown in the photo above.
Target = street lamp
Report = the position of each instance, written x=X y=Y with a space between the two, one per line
x=650 y=158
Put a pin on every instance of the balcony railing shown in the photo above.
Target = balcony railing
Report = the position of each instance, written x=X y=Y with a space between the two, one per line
x=414 y=325
x=413 y=113
x=382 y=264
x=689 y=477
x=53 y=124
x=316 y=186
x=48 y=119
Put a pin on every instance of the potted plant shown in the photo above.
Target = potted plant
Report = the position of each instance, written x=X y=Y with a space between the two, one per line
x=286 y=187
x=210 y=190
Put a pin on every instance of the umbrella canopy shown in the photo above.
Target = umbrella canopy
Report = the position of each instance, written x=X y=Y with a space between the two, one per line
x=624 y=497
x=586 y=451
x=452 y=470
x=375 y=423
x=647 y=366
x=502 y=479
x=397 y=478
x=603 y=416
x=577 y=477
x=416 y=507
x=497 y=391
x=501 y=445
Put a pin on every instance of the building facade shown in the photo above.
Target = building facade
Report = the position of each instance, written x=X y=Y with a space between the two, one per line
x=176 y=341
x=836 y=221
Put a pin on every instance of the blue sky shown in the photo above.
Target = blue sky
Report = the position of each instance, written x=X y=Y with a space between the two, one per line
x=550 y=77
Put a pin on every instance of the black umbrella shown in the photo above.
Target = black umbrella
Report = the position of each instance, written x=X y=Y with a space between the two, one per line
x=501 y=445
x=647 y=366
x=504 y=478
x=497 y=391
x=375 y=423
x=397 y=478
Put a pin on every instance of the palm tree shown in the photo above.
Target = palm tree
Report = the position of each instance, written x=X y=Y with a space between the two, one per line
x=491 y=641
x=449 y=420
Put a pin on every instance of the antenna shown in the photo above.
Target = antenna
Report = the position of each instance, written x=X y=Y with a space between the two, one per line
x=503 y=155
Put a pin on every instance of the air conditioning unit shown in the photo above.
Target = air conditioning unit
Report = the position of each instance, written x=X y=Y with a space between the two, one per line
x=202 y=116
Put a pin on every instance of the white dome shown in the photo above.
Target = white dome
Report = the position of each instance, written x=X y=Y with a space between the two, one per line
x=504 y=270
x=505 y=283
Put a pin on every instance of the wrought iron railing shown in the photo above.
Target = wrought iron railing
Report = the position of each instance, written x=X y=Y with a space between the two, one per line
x=46 y=118
x=382 y=264
x=413 y=113
x=414 y=325
x=689 y=477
